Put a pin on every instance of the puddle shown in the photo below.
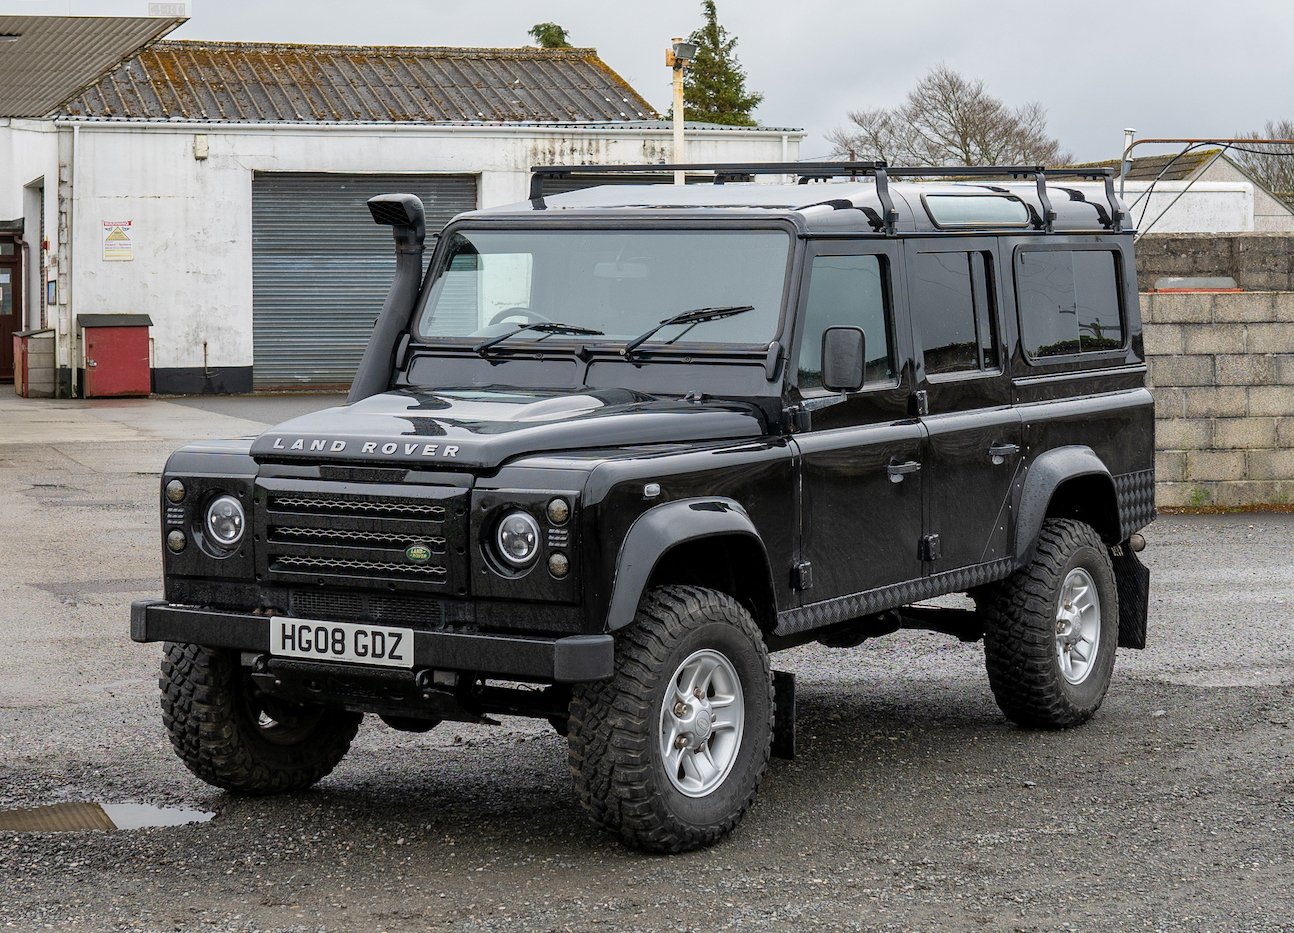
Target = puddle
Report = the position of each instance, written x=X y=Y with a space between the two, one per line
x=68 y=817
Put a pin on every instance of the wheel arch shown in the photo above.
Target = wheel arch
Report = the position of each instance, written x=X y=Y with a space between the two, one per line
x=1066 y=482
x=708 y=542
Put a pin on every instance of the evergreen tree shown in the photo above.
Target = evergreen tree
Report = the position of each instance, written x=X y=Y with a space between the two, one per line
x=550 y=36
x=714 y=84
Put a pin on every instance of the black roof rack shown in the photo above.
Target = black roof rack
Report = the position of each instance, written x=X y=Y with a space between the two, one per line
x=809 y=171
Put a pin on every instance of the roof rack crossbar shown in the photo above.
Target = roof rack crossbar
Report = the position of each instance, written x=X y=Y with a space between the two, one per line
x=807 y=171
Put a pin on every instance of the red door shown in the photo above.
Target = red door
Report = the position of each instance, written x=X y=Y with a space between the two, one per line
x=10 y=305
x=116 y=361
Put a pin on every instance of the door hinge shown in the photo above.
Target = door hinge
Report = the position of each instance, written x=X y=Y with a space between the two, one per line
x=919 y=403
x=802 y=575
x=930 y=549
x=797 y=419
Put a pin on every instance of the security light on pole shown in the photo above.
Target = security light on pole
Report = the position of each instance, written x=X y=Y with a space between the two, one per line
x=677 y=56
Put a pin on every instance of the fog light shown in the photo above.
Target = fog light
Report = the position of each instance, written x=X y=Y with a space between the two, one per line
x=558 y=565
x=176 y=540
x=558 y=511
x=175 y=491
x=225 y=521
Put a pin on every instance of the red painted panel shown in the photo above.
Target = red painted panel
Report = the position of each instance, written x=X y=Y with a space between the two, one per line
x=116 y=361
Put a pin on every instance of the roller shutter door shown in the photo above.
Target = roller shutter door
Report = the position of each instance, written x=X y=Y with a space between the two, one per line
x=321 y=267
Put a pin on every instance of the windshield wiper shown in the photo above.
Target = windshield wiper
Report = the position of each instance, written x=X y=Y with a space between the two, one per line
x=543 y=327
x=695 y=316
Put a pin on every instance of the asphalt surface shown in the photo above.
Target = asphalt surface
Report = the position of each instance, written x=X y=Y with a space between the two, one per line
x=913 y=804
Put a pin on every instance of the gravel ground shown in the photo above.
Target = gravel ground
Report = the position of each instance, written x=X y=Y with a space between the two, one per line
x=913 y=805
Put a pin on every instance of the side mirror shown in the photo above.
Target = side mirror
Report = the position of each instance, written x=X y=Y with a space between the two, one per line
x=843 y=358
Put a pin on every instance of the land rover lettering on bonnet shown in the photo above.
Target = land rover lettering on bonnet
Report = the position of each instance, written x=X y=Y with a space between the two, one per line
x=621 y=445
x=374 y=448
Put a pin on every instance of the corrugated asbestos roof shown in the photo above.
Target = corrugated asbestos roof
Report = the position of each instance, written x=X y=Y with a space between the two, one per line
x=48 y=58
x=1147 y=168
x=252 y=82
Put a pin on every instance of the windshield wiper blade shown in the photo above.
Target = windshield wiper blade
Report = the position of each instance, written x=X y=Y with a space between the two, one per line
x=543 y=327
x=695 y=316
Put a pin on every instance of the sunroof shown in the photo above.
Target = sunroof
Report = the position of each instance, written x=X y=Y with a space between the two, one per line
x=975 y=210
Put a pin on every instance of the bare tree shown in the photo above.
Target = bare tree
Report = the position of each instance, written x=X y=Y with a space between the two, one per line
x=1266 y=163
x=948 y=119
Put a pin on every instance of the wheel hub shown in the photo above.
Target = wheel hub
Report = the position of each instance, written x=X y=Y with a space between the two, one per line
x=701 y=723
x=1078 y=626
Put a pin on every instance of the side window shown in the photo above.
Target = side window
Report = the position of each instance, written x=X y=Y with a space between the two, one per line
x=1069 y=302
x=952 y=307
x=847 y=291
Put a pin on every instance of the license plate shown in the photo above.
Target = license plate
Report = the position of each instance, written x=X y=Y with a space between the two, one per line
x=341 y=641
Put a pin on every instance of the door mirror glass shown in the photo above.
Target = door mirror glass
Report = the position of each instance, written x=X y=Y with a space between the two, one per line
x=843 y=357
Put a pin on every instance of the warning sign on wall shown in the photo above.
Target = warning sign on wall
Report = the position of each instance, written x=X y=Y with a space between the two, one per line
x=116 y=241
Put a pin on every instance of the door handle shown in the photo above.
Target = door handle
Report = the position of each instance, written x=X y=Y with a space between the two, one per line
x=999 y=452
x=898 y=470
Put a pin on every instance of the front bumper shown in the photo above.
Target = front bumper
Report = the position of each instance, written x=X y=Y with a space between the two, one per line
x=573 y=659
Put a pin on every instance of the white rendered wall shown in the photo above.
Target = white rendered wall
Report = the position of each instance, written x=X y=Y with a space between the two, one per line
x=1206 y=207
x=191 y=220
x=28 y=153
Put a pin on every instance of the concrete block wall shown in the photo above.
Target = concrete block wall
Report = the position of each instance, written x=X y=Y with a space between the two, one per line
x=1222 y=372
x=1257 y=261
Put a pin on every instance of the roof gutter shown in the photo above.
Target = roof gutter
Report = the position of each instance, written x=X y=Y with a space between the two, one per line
x=484 y=129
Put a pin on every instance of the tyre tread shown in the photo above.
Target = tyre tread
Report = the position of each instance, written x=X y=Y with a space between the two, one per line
x=198 y=688
x=611 y=724
x=1019 y=639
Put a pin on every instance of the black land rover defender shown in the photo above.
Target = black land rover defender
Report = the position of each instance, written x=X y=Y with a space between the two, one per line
x=620 y=444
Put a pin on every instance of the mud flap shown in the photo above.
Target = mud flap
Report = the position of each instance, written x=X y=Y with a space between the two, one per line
x=784 y=715
x=1132 y=578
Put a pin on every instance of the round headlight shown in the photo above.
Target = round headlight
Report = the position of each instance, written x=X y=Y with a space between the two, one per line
x=175 y=491
x=225 y=521
x=558 y=511
x=517 y=538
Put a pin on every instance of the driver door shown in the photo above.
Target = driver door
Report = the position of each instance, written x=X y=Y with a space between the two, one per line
x=860 y=461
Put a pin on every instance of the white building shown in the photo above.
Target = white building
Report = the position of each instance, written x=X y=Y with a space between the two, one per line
x=231 y=179
x=1202 y=191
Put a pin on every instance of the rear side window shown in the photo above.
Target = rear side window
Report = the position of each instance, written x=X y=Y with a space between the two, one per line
x=953 y=310
x=847 y=291
x=1069 y=302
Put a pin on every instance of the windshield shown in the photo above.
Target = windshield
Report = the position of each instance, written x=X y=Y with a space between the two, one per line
x=621 y=283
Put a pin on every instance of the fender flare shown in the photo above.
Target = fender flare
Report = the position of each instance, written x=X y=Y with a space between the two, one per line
x=657 y=531
x=1043 y=478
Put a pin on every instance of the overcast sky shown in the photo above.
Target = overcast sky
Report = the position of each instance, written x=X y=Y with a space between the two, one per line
x=1180 y=68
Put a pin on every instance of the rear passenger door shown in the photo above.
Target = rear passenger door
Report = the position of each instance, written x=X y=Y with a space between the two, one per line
x=964 y=395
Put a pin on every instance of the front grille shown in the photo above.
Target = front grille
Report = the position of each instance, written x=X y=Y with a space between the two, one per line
x=359 y=538
x=367 y=607
x=332 y=564
x=384 y=536
x=380 y=508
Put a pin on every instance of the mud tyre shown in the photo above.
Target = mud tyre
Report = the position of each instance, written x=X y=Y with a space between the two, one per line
x=233 y=737
x=1051 y=629
x=669 y=753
